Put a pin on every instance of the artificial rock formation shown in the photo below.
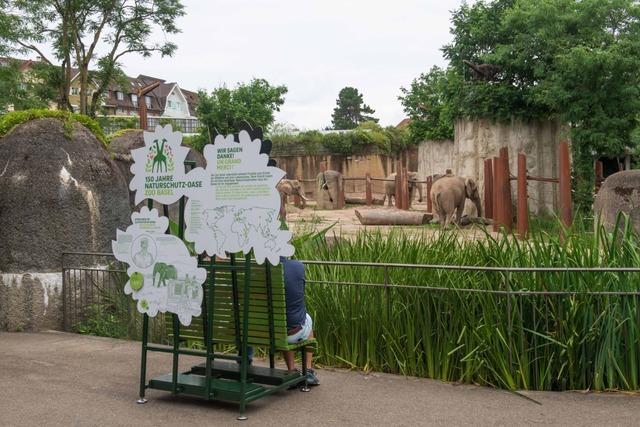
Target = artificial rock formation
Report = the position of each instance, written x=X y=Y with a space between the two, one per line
x=59 y=191
x=329 y=190
x=620 y=193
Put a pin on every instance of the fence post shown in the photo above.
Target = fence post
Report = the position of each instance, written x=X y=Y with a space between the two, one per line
x=564 y=181
x=429 y=184
x=523 y=205
x=507 y=204
x=368 y=194
x=599 y=174
x=399 y=187
x=498 y=171
x=296 y=199
x=406 y=199
x=488 y=189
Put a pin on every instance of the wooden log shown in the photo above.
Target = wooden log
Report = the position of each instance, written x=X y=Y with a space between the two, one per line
x=368 y=192
x=488 y=189
x=362 y=201
x=392 y=217
x=564 y=180
x=523 y=205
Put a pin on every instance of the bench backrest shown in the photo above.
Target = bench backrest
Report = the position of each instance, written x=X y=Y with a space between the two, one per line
x=224 y=320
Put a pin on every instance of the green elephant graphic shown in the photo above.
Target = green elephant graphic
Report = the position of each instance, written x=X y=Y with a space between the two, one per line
x=160 y=159
x=164 y=272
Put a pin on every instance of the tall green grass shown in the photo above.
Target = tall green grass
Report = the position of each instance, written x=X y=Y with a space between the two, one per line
x=510 y=340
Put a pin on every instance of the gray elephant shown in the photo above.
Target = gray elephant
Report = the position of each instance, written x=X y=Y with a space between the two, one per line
x=448 y=196
x=291 y=187
x=390 y=187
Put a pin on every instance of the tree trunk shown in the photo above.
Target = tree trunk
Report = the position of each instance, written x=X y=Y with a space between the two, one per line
x=392 y=217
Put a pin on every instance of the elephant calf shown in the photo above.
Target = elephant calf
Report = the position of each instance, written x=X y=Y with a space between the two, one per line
x=448 y=195
x=390 y=187
x=291 y=187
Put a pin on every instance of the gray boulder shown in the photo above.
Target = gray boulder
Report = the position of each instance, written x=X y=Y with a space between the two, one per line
x=58 y=192
x=620 y=192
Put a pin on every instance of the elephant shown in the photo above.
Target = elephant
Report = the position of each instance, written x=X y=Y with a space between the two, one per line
x=390 y=187
x=291 y=187
x=164 y=272
x=448 y=196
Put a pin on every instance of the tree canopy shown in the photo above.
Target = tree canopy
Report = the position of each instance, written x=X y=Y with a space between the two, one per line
x=90 y=35
x=21 y=92
x=225 y=108
x=577 y=61
x=351 y=110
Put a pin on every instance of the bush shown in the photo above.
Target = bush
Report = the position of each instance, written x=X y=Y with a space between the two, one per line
x=10 y=120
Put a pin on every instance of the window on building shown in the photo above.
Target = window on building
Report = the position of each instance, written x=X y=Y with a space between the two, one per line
x=147 y=99
x=134 y=99
x=74 y=91
x=119 y=96
x=170 y=104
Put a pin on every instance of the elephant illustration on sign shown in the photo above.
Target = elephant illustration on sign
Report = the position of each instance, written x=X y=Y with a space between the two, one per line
x=448 y=196
x=390 y=187
x=164 y=272
x=291 y=187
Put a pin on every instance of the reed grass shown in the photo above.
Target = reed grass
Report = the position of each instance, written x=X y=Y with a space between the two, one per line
x=461 y=333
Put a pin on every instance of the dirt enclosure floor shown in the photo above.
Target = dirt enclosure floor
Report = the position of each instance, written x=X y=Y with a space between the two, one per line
x=345 y=223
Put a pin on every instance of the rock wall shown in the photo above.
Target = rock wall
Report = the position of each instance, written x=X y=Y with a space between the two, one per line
x=30 y=302
x=476 y=140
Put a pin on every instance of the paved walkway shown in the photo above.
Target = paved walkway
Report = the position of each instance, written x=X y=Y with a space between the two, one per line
x=55 y=378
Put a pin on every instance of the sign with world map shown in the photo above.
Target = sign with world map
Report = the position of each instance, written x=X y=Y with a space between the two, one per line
x=237 y=209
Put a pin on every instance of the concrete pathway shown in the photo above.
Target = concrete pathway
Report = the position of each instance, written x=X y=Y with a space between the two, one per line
x=55 y=378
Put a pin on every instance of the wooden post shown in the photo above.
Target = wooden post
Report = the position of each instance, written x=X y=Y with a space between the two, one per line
x=599 y=174
x=564 y=181
x=505 y=188
x=341 y=193
x=368 y=193
x=429 y=185
x=398 y=193
x=523 y=206
x=488 y=189
x=406 y=202
x=142 y=104
x=498 y=171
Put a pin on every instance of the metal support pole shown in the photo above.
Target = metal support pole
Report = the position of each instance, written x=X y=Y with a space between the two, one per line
x=272 y=338
x=488 y=189
x=244 y=362
x=523 y=206
x=564 y=181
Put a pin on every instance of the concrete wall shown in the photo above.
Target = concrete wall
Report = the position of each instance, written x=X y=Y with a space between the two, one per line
x=476 y=140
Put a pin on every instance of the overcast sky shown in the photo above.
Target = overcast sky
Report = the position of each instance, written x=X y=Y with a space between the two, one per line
x=314 y=47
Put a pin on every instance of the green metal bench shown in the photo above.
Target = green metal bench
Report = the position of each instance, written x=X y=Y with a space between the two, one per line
x=225 y=376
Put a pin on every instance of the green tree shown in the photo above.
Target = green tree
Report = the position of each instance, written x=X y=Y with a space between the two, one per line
x=574 y=60
x=22 y=90
x=76 y=30
x=427 y=102
x=351 y=110
x=225 y=108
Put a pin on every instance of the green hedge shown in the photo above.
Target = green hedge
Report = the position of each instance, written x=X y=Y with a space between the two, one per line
x=10 y=120
x=369 y=134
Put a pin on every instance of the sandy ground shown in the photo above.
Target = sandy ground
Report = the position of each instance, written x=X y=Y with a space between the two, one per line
x=62 y=379
x=345 y=222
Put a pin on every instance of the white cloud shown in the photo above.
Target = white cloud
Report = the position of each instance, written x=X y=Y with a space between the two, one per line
x=315 y=47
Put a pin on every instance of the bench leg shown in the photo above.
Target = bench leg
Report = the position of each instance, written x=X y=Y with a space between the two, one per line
x=242 y=416
x=305 y=387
